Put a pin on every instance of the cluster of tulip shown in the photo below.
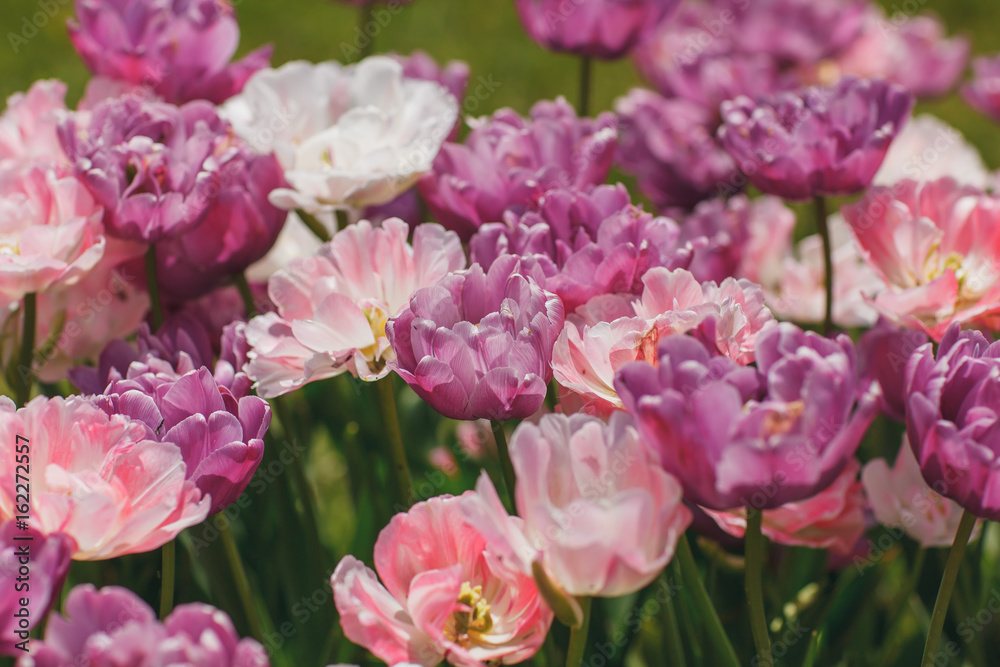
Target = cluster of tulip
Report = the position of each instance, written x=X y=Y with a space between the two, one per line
x=201 y=241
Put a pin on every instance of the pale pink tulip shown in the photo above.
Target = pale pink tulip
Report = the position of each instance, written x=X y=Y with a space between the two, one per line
x=444 y=594
x=96 y=479
x=937 y=246
x=900 y=498
x=332 y=307
x=728 y=316
x=832 y=519
x=601 y=517
x=927 y=149
x=28 y=127
x=50 y=232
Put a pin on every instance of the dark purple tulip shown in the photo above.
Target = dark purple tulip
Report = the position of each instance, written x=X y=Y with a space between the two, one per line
x=816 y=141
x=585 y=243
x=796 y=32
x=737 y=436
x=49 y=561
x=179 y=49
x=238 y=229
x=155 y=167
x=507 y=162
x=669 y=146
x=883 y=352
x=606 y=29
x=478 y=345
x=983 y=92
x=951 y=418
x=114 y=626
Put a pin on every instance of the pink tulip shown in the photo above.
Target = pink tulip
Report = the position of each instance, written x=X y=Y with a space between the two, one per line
x=832 y=519
x=28 y=127
x=444 y=594
x=333 y=307
x=50 y=232
x=900 y=498
x=98 y=480
x=937 y=246
x=598 y=513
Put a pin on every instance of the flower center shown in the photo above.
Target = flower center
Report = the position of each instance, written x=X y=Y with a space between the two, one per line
x=474 y=619
x=781 y=421
x=377 y=317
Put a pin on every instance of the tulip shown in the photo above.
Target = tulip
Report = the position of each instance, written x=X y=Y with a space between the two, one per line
x=49 y=560
x=28 y=126
x=444 y=594
x=598 y=514
x=586 y=244
x=670 y=147
x=346 y=137
x=179 y=51
x=606 y=29
x=951 y=418
x=929 y=149
x=113 y=626
x=817 y=141
x=738 y=436
x=106 y=484
x=507 y=162
x=478 y=344
x=982 y=92
x=900 y=498
x=883 y=352
x=333 y=307
x=937 y=247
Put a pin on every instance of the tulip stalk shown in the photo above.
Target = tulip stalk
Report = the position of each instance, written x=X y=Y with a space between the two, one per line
x=823 y=226
x=156 y=305
x=314 y=225
x=509 y=476
x=755 y=585
x=578 y=635
x=249 y=304
x=23 y=376
x=586 y=68
x=948 y=580
x=722 y=647
x=167 y=579
x=242 y=584
x=397 y=451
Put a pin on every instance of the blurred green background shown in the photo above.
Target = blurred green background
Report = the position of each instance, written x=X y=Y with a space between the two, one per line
x=485 y=33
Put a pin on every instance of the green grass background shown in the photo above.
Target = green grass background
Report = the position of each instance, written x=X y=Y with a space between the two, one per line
x=485 y=33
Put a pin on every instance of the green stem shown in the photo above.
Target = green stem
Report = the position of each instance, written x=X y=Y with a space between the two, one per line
x=314 y=225
x=397 y=452
x=309 y=513
x=755 y=586
x=947 y=586
x=242 y=584
x=154 y=288
x=578 y=636
x=675 y=646
x=722 y=647
x=586 y=66
x=167 y=581
x=892 y=640
x=343 y=221
x=509 y=476
x=246 y=294
x=24 y=376
x=819 y=204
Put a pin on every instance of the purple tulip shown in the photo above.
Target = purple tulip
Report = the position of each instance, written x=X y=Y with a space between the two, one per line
x=606 y=29
x=179 y=49
x=49 y=561
x=585 y=243
x=238 y=229
x=155 y=167
x=669 y=145
x=983 y=92
x=883 y=352
x=113 y=626
x=760 y=437
x=796 y=32
x=168 y=387
x=478 y=345
x=507 y=162
x=951 y=418
x=816 y=141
